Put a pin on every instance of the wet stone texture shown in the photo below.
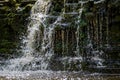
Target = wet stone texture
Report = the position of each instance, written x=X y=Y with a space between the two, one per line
x=13 y=20
x=98 y=36
x=92 y=34
x=59 y=76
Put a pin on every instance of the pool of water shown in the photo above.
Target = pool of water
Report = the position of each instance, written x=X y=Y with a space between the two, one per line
x=55 y=75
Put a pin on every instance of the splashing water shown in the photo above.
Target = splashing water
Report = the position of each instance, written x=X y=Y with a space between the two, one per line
x=38 y=45
x=30 y=53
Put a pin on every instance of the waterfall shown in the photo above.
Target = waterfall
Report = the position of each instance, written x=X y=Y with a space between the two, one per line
x=33 y=58
x=95 y=52
x=71 y=42
x=78 y=34
x=38 y=46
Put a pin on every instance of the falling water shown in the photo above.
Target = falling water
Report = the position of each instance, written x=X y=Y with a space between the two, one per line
x=38 y=46
x=94 y=51
x=33 y=58
x=78 y=33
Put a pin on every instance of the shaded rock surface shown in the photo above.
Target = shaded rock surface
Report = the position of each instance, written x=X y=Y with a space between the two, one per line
x=99 y=31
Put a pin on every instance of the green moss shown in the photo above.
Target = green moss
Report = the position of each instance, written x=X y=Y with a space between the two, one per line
x=4 y=50
x=58 y=28
x=117 y=18
x=27 y=8
x=83 y=23
x=89 y=15
x=12 y=2
x=12 y=25
x=6 y=8
x=7 y=44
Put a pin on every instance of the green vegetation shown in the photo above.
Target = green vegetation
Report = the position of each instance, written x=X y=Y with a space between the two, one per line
x=13 y=15
x=13 y=22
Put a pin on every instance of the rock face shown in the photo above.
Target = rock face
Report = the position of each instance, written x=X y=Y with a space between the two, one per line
x=98 y=32
x=98 y=35
x=103 y=22
x=13 y=21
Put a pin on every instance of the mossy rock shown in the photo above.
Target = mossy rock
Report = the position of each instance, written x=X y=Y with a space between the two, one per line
x=5 y=8
x=89 y=15
x=27 y=8
x=117 y=18
x=13 y=2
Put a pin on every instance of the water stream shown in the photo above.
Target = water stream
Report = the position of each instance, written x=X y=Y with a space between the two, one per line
x=38 y=46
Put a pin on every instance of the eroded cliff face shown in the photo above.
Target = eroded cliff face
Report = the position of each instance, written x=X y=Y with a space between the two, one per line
x=13 y=20
x=103 y=22
x=99 y=27
x=98 y=34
